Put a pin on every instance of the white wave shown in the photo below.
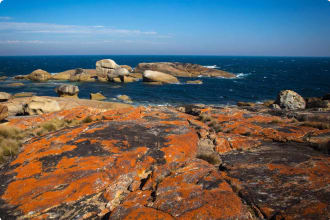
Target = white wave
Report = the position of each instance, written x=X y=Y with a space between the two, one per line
x=242 y=75
x=212 y=67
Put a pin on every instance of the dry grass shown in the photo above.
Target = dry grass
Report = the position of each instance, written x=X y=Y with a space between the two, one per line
x=11 y=138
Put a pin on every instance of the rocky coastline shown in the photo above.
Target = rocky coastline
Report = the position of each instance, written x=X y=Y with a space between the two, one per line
x=89 y=159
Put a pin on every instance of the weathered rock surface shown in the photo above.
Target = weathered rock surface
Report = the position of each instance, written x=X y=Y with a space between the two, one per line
x=155 y=76
x=3 y=112
x=290 y=100
x=182 y=70
x=97 y=96
x=39 y=75
x=79 y=75
x=39 y=105
x=130 y=69
x=67 y=91
x=158 y=163
x=4 y=96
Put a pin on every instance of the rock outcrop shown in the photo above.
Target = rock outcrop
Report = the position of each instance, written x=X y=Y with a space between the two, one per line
x=67 y=91
x=290 y=100
x=3 y=112
x=39 y=75
x=182 y=70
x=4 y=96
x=155 y=76
x=40 y=105
x=158 y=163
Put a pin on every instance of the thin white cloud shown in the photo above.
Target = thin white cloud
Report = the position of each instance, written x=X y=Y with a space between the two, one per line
x=22 y=42
x=5 y=18
x=1 y=1
x=24 y=27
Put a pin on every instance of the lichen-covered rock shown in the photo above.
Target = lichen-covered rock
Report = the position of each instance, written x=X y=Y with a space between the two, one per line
x=159 y=163
x=155 y=76
x=182 y=69
x=67 y=90
x=40 y=105
x=282 y=181
x=39 y=75
x=290 y=100
x=3 y=112
x=4 y=96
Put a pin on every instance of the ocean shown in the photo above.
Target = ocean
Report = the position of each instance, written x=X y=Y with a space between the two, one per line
x=258 y=78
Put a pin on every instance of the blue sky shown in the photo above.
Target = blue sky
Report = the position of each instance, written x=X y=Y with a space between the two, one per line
x=196 y=27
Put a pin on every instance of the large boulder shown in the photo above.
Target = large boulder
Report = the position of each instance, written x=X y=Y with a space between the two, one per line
x=155 y=76
x=4 y=96
x=3 y=112
x=39 y=105
x=290 y=100
x=39 y=75
x=103 y=67
x=67 y=90
x=182 y=70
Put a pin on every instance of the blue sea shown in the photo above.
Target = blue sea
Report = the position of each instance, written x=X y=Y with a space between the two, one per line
x=258 y=78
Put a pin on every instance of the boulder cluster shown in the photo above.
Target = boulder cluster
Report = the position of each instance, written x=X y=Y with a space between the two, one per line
x=108 y=70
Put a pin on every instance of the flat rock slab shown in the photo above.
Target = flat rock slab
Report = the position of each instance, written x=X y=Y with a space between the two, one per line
x=282 y=181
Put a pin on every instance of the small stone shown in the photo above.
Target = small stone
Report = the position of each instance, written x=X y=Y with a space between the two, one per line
x=15 y=84
x=194 y=82
x=67 y=90
x=97 y=96
x=125 y=98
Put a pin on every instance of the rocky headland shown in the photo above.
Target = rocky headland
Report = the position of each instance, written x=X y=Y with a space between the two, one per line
x=87 y=159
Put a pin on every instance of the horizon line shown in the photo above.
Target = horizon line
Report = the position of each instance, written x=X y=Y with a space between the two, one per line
x=209 y=55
